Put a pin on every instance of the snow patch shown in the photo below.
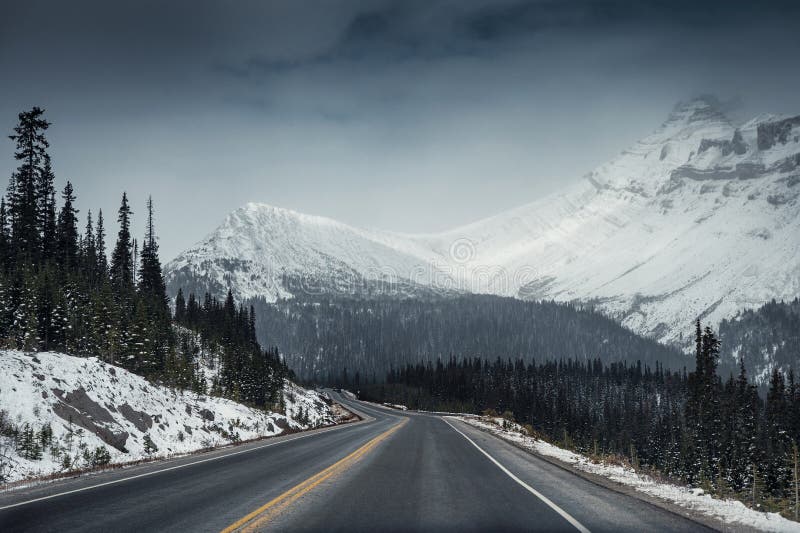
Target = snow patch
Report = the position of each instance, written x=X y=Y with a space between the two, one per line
x=91 y=405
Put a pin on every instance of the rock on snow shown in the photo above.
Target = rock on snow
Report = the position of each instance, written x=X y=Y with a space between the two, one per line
x=94 y=404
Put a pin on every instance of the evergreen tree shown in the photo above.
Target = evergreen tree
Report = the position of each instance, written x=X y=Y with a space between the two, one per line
x=4 y=235
x=777 y=442
x=28 y=446
x=46 y=210
x=121 y=257
x=149 y=446
x=24 y=328
x=104 y=335
x=67 y=231
x=22 y=195
x=151 y=278
x=702 y=410
x=743 y=432
x=49 y=330
x=58 y=292
x=152 y=295
x=134 y=259
x=180 y=307
x=89 y=251
x=192 y=317
x=122 y=288
x=101 y=268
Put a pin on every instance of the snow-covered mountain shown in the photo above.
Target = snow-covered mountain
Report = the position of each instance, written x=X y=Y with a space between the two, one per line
x=700 y=218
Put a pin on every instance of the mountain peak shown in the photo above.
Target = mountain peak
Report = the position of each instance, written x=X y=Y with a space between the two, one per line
x=259 y=207
x=257 y=212
x=692 y=205
x=703 y=108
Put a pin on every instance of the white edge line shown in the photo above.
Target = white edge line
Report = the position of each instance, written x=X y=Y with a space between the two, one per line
x=176 y=467
x=580 y=527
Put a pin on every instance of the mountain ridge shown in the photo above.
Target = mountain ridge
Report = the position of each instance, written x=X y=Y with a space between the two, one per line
x=697 y=219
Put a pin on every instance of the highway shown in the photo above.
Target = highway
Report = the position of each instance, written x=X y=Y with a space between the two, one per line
x=394 y=471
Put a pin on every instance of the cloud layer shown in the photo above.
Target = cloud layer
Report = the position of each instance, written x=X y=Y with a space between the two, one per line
x=409 y=115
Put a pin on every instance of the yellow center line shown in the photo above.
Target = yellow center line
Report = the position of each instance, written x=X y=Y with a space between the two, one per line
x=269 y=510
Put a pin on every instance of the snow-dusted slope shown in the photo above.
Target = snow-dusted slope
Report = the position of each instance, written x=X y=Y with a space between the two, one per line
x=258 y=246
x=701 y=218
x=89 y=404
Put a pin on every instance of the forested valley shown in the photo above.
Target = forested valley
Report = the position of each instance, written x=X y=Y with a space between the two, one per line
x=701 y=428
x=321 y=338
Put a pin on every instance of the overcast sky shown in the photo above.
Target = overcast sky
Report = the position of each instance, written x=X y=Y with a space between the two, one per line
x=404 y=115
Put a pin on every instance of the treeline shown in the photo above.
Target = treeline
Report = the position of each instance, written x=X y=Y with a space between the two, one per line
x=60 y=290
x=696 y=427
x=247 y=372
x=319 y=339
x=770 y=333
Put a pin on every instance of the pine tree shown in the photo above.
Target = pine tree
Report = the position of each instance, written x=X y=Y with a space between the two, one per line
x=152 y=294
x=121 y=257
x=45 y=309
x=4 y=235
x=711 y=404
x=122 y=287
x=22 y=198
x=28 y=446
x=149 y=446
x=151 y=278
x=89 y=251
x=67 y=231
x=6 y=309
x=193 y=311
x=702 y=410
x=180 y=307
x=134 y=259
x=777 y=474
x=45 y=436
x=742 y=444
x=101 y=268
x=46 y=210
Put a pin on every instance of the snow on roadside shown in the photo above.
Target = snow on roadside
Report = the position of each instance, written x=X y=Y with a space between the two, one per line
x=99 y=413
x=729 y=511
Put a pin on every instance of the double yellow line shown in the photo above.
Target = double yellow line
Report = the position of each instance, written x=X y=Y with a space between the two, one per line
x=271 y=509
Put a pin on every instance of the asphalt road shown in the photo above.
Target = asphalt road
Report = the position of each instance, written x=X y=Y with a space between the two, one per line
x=395 y=471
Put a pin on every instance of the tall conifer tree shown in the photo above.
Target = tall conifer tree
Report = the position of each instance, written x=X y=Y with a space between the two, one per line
x=67 y=233
x=22 y=195
x=100 y=247
x=46 y=209
x=121 y=257
x=89 y=250
x=4 y=236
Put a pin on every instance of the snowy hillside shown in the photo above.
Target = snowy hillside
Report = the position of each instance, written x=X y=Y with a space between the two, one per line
x=71 y=412
x=258 y=246
x=701 y=218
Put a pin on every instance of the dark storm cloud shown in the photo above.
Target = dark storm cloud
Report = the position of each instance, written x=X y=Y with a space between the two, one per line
x=408 y=114
x=407 y=30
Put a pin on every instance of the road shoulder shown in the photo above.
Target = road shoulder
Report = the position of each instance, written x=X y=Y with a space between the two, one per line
x=604 y=482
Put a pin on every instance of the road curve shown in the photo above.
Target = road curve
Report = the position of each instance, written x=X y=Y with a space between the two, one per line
x=394 y=472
